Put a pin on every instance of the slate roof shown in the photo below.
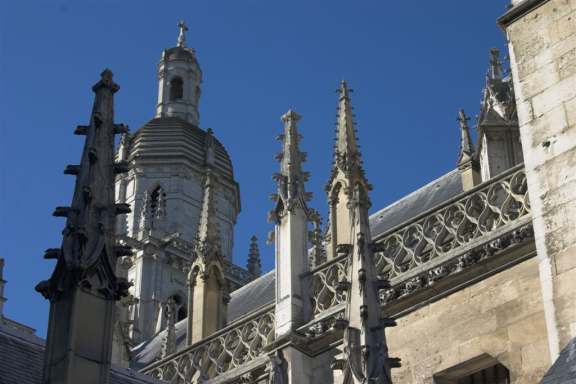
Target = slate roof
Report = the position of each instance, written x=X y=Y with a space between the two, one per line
x=429 y=196
x=563 y=371
x=244 y=300
x=22 y=360
x=168 y=139
x=262 y=291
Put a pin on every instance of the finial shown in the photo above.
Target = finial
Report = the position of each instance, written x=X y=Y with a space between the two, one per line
x=254 y=265
x=495 y=64
x=466 y=146
x=169 y=341
x=182 y=35
x=291 y=115
x=343 y=90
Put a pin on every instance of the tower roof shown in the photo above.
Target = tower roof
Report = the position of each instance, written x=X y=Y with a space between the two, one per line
x=171 y=139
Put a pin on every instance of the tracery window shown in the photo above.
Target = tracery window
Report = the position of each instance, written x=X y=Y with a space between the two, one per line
x=176 y=89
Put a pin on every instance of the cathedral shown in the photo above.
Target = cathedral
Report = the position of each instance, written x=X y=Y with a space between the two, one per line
x=470 y=279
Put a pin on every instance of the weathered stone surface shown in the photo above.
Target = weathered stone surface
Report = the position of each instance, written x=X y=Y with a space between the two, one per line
x=543 y=44
x=501 y=316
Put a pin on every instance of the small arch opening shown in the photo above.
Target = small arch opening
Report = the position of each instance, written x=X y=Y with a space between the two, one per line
x=176 y=89
x=180 y=307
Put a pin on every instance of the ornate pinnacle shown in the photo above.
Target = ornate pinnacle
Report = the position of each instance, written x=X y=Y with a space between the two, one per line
x=291 y=178
x=495 y=71
x=182 y=34
x=466 y=146
x=346 y=144
x=347 y=157
x=169 y=341
x=254 y=266
x=498 y=102
x=208 y=237
x=87 y=255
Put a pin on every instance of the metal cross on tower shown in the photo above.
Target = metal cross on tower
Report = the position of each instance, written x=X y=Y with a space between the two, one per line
x=182 y=35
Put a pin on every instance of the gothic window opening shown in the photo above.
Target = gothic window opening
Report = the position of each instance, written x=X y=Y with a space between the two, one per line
x=176 y=89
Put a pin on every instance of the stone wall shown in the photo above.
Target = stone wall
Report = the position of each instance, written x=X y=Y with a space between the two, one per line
x=542 y=42
x=501 y=316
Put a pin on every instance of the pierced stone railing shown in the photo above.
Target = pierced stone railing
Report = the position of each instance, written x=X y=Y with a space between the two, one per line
x=325 y=284
x=415 y=254
x=500 y=202
x=232 y=347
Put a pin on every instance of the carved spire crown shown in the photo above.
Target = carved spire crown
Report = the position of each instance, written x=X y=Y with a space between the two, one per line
x=208 y=237
x=347 y=157
x=291 y=178
x=254 y=265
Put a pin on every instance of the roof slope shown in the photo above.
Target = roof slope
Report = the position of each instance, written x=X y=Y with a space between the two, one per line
x=564 y=369
x=429 y=196
x=22 y=360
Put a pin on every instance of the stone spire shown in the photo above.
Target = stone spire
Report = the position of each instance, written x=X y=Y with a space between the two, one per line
x=207 y=245
x=467 y=158
x=169 y=341
x=254 y=265
x=207 y=289
x=347 y=157
x=290 y=216
x=347 y=172
x=365 y=357
x=291 y=178
x=466 y=146
x=83 y=287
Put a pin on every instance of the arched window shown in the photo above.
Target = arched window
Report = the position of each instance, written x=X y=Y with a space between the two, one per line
x=176 y=89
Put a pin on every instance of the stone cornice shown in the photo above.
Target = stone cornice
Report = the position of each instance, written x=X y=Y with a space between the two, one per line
x=518 y=11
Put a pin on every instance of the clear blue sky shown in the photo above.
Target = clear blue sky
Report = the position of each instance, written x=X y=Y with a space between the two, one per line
x=412 y=64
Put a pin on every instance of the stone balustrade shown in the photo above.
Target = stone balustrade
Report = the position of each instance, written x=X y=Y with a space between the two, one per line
x=233 y=347
x=443 y=241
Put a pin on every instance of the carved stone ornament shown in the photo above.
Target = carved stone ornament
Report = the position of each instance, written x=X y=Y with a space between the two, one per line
x=456 y=265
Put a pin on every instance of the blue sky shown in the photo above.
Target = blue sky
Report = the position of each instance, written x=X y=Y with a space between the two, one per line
x=412 y=64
